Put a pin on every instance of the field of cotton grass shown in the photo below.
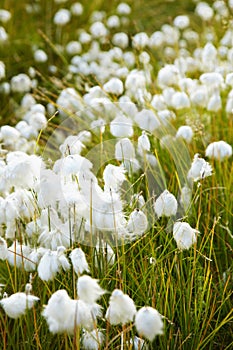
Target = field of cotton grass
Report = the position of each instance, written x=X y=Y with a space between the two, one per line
x=116 y=174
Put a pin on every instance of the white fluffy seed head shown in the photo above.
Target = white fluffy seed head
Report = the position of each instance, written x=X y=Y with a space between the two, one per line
x=124 y=150
x=17 y=304
x=180 y=100
x=121 y=126
x=143 y=143
x=114 y=86
x=9 y=134
x=137 y=223
x=92 y=340
x=147 y=120
x=120 y=39
x=211 y=78
x=5 y=16
x=59 y=311
x=148 y=322
x=121 y=308
x=79 y=261
x=62 y=17
x=2 y=70
x=40 y=56
x=168 y=76
x=185 y=132
x=21 y=83
x=204 y=11
x=88 y=289
x=113 y=177
x=98 y=30
x=184 y=235
x=219 y=150
x=71 y=145
x=123 y=9
x=73 y=48
x=181 y=22
x=199 y=169
x=51 y=263
x=214 y=103
x=3 y=249
x=76 y=9
x=165 y=204
x=140 y=40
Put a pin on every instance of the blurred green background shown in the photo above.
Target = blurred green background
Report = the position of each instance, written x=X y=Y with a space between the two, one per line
x=23 y=28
